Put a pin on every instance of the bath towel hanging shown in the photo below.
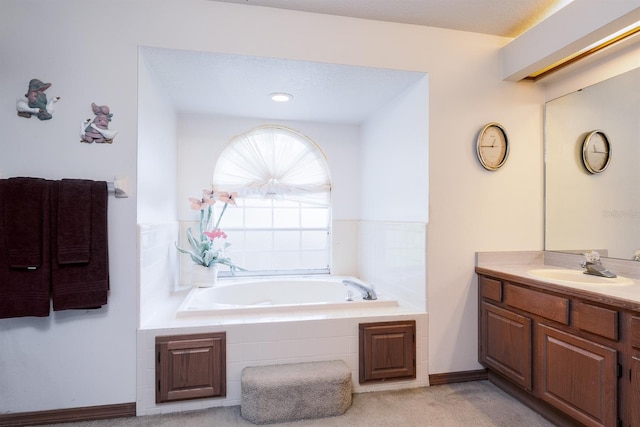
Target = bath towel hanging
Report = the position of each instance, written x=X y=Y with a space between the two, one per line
x=80 y=279
x=74 y=221
x=23 y=218
x=24 y=247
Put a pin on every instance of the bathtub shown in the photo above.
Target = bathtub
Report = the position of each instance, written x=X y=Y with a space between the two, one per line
x=260 y=296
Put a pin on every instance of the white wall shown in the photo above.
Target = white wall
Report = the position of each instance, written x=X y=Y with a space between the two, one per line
x=157 y=190
x=395 y=196
x=395 y=156
x=157 y=151
x=472 y=209
x=85 y=359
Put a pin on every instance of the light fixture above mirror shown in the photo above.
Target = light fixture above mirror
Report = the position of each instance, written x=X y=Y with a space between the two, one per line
x=605 y=42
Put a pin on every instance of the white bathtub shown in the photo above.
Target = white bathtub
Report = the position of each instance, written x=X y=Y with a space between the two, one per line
x=278 y=295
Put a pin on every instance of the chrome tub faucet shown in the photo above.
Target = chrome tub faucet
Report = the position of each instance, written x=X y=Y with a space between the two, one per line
x=367 y=292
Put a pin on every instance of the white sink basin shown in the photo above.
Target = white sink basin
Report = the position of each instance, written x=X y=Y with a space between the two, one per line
x=577 y=277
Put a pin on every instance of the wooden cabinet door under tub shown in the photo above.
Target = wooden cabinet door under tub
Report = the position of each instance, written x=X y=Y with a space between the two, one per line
x=387 y=351
x=190 y=366
x=558 y=352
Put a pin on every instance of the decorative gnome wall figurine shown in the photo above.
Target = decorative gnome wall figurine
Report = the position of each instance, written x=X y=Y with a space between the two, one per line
x=98 y=129
x=36 y=101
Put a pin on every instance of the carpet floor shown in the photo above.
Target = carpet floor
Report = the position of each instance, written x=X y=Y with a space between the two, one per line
x=476 y=403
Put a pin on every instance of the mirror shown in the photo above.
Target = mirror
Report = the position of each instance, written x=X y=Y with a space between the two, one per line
x=583 y=210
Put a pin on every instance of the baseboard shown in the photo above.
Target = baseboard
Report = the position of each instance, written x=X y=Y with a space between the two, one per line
x=457 y=377
x=88 y=413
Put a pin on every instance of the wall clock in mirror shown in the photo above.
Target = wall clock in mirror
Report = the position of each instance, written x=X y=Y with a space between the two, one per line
x=596 y=151
x=492 y=146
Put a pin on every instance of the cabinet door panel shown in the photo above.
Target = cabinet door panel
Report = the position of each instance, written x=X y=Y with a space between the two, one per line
x=387 y=351
x=634 y=400
x=578 y=376
x=635 y=332
x=506 y=343
x=190 y=366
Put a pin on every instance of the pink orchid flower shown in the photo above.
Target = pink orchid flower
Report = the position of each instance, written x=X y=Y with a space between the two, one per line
x=216 y=234
x=196 y=204
x=229 y=198
x=208 y=195
x=200 y=204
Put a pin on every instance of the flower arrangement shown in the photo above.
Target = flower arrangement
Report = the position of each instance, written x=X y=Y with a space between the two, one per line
x=204 y=250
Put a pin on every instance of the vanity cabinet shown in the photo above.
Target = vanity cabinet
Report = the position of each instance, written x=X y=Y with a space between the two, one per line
x=562 y=353
x=634 y=371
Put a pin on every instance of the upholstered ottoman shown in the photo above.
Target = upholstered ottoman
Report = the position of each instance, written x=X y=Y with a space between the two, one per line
x=279 y=393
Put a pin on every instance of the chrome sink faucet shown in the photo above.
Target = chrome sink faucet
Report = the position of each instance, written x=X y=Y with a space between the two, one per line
x=593 y=265
x=367 y=292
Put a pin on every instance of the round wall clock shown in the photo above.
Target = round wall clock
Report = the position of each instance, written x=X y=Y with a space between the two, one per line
x=596 y=151
x=492 y=146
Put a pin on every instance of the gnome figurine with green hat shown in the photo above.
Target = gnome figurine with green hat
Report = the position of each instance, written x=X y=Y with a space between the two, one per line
x=36 y=102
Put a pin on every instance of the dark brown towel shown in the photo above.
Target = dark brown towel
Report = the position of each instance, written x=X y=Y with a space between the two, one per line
x=81 y=285
x=24 y=247
x=74 y=221
x=23 y=221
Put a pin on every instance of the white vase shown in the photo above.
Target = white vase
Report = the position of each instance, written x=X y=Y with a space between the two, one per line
x=204 y=277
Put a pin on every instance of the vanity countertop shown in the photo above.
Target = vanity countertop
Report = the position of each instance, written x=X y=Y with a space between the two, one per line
x=620 y=295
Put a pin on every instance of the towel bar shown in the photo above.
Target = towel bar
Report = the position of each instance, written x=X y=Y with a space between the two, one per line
x=119 y=187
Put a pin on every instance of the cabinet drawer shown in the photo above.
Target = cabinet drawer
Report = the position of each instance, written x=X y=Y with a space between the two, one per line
x=597 y=320
x=491 y=289
x=635 y=331
x=548 y=306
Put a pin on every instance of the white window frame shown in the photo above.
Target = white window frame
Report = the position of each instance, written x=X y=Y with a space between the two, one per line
x=304 y=199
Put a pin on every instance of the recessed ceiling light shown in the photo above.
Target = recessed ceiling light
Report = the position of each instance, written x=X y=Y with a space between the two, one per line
x=281 y=97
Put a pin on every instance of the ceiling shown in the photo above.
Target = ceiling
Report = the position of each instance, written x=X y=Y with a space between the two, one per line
x=238 y=86
x=505 y=18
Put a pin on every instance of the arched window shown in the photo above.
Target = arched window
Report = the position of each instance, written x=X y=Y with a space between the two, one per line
x=282 y=222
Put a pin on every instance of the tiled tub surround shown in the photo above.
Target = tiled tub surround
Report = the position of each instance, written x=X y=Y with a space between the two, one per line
x=157 y=269
x=392 y=256
x=286 y=338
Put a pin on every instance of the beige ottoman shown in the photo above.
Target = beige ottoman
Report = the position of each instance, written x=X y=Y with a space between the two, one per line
x=279 y=393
